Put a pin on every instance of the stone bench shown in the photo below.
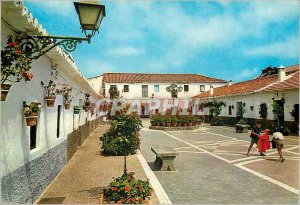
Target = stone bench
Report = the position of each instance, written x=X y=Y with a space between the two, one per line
x=164 y=158
x=241 y=128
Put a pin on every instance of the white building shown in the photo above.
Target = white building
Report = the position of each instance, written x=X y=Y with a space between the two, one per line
x=30 y=158
x=252 y=93
x=142 y=86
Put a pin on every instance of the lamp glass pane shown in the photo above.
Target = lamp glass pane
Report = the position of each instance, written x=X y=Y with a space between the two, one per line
x=88 y=16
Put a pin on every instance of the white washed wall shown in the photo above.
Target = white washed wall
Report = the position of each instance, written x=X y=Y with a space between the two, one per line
x=14 y=139
x=135 y=90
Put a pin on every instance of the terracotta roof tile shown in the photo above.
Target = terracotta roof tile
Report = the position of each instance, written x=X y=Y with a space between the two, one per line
x=290 y=83
x=158 y=78
x=292 y=69
x=241 y=87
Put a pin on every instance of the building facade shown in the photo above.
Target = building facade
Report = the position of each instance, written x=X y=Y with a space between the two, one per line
x=31 y=157
x=282 y=87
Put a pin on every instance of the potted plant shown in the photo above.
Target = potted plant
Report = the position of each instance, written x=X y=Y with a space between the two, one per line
x=15 y=65
x=184 y=120
x=153 y=120
x=128 y=190
x=76 y=109
x=31 y=112
x=168 y=120
x=173 y=121
x=87 y=101
x=178 y=120
x=190 y=120
x=50 y=92
x=66 y=91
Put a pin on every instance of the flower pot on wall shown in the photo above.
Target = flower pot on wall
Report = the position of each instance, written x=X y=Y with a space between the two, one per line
x=76 y=111
x=31 y=120
x=4 y=91
x=86 y=108
x=50 y=100
x=87 y=103
x=67 y=105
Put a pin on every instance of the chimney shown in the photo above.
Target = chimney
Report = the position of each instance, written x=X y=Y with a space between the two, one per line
x=281 y=73
x=229 y=82
x=211 y=90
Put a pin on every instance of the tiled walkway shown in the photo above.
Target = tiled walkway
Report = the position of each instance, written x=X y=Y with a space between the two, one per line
x=212 y=168
x=87 y=173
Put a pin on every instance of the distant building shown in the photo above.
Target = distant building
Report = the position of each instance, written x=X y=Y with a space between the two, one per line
x=274 y=84
x=143 y=86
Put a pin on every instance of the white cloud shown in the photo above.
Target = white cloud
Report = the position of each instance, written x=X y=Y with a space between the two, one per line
x=288 y=48
x=246 y=73
x=125 y=51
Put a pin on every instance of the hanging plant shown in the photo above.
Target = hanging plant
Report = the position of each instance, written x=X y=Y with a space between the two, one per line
x=51 y=92
x=15 y=65
x=87 y=101
x=263 y=110
x=113 y=92
x=66 y=92
x=31 y=112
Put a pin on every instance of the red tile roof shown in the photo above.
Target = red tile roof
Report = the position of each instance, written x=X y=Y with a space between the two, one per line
x=241 y=87
x=291 y=69
x=290 y=83
x=158 y=78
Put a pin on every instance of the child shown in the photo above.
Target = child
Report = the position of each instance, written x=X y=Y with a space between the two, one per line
x=278 y=139
x=256 y=132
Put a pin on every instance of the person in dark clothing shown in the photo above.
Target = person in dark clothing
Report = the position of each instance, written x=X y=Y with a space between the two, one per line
x=256 y=132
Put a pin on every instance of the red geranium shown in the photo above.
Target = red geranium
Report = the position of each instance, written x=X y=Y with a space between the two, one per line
x=122 y=200
x=129 y=178
x=114 y=188
x=127 y=188
x=132 y=199
x=140 y=187
x=132 y=173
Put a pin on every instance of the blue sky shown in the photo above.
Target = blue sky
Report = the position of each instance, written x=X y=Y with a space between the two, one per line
x=222 y=39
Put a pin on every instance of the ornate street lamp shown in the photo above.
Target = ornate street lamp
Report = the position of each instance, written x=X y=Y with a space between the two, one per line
x=174 y=89
x=90 y=17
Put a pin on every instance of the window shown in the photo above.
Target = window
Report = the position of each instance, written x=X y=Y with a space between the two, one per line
x=144 y=91
x=113 y=87
x=202 y=88
x=104 y=92
x=156 y=88
x=58 y=121
x=33 y=137
x=126 y=88
x=186 y=88
x=230 y=110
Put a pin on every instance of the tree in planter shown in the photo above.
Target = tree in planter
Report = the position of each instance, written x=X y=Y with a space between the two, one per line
x=263 y=110
x=278 y=111
x=241 y=110
x=215 y=108
x=15 y=65
x=51 y=92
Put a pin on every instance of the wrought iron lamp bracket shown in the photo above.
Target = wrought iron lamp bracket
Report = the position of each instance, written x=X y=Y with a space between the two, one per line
x=35 y=46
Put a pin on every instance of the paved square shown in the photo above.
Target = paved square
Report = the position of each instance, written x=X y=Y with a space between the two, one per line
x=211 y=167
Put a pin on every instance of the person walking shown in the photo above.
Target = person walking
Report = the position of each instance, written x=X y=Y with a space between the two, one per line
x=278 y=139
x=256 y=132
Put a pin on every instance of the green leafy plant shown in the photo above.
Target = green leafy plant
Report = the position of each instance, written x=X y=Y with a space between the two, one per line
x=50 y=88
x=277 y=109
x=113 y=92
x=263 y=110
x=242 y=121
x=15 y=64
x=128 y=190
x=122 y=138
x=66 y=91
x=280 y=128
x=217 y=121
x=31 y=109
x=215 y=107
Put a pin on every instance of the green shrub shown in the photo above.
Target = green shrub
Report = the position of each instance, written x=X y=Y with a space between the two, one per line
x=128 y=190
x=217 y=121
x=122 y=138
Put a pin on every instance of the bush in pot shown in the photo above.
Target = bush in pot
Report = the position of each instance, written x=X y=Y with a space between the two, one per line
x=128 y=190
x=66 y=92
x=31 y=112
x=76 y=109
x=51 y=92
x=217 y=121
x=153 y=120
x=168 y=120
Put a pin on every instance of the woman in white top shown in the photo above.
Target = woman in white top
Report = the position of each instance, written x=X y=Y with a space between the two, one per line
x=278 y=139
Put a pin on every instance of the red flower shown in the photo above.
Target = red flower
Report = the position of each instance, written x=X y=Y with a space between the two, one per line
x=132 y=199
x=140 y=187
x=129 y=178
x=10 y=44
x=119 y=202
x=127 y=188
x=132 y=173
x=24 y=72
x=19 y=51
x=14 y=44
x=30 y=75
x=122 y=200
x=114 y=188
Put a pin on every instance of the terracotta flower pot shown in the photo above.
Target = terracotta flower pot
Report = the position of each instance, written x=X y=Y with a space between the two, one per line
x=168 y=124
x=190 y=124
x=178 y=124
x=86 y=108
x=185 y=124
x=87 y=103
x=31 y=120
x=67 y=105
x=174 y=124
x=50 y=100
x=4 y=91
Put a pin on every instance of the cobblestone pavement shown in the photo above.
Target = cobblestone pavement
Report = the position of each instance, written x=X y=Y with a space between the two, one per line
x=87 y=173
x=212 y=167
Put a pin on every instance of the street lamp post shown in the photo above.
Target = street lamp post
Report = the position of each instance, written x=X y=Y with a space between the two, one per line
x=90 y=17
x=174 y=90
